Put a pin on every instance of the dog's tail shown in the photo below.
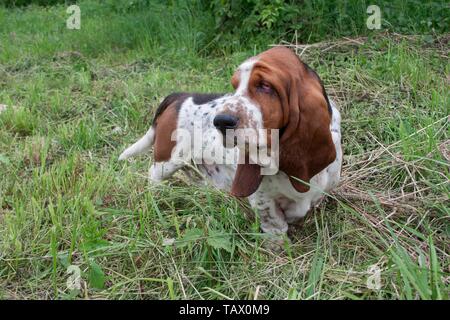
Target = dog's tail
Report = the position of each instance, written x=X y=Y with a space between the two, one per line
x=140 y=146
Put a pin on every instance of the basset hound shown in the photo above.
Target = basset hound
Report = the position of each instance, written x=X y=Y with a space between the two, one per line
x=274 y=91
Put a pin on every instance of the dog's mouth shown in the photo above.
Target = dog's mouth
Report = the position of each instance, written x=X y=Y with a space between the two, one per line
x=250 y=147
x=253 y=153
x=231 y=141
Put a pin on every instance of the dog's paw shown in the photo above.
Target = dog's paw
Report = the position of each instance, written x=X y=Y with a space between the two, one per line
x=276 y=243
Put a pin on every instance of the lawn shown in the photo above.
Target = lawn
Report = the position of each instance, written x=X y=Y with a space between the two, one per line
x=76 y=98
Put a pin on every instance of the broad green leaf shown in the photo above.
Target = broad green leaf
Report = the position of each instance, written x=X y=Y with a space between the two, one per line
x=96 y=276
x=219 y=240
x=190 y=236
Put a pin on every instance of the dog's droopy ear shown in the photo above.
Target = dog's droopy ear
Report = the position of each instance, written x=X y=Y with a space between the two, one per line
x=246 y=180
x=309 y=147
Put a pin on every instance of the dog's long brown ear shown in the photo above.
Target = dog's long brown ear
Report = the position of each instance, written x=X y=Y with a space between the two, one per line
x=246 y=180
x=306 y=146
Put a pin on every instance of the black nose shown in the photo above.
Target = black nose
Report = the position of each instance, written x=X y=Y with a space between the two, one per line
x=225 y=121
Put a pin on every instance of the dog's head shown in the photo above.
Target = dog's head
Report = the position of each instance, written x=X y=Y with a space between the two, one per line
x=276 y=90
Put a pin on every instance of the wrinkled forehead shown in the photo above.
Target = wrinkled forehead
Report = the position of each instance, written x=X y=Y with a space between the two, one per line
x=279 y=60
x=280 y=56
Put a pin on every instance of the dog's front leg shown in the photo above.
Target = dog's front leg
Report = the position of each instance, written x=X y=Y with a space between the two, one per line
x=272 y=219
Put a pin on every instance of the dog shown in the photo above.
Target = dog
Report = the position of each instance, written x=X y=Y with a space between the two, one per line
x=277 y=93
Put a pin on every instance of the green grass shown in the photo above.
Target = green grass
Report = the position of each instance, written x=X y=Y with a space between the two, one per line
x=80 y=97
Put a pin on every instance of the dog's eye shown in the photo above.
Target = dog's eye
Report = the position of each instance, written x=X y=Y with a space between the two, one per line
x=265 y=87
